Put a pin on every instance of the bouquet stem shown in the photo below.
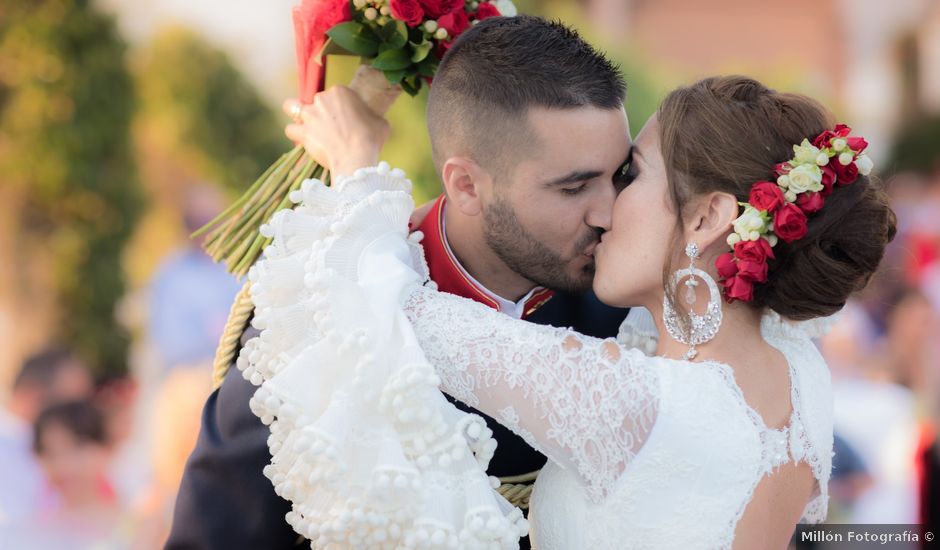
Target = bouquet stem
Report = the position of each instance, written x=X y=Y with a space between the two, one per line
x=233 y=236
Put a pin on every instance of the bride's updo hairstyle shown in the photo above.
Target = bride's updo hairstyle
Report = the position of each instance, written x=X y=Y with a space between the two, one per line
x=725 y=134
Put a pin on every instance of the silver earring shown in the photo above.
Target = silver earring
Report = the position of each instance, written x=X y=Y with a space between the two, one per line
x=700 y=328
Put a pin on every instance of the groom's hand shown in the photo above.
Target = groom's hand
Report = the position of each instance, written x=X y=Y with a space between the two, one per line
x=338 y=130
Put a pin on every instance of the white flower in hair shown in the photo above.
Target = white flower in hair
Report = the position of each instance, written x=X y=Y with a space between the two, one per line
x=864 y=164
x=805 y=177
x=751 y=224
x=805 y=153
x=506 y=7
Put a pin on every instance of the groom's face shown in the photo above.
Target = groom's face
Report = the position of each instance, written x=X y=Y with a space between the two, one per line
x=545 y=216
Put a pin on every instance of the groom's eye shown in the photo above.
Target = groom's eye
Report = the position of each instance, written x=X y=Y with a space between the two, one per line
x=573 y=190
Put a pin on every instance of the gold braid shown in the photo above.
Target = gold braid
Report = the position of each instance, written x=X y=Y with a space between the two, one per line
x=518 y=489
x=231 y=335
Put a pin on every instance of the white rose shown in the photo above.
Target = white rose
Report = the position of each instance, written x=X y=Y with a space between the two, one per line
x=805 y=177
x=805 y=153
x=838 y=144
x=864 y=164
x=506 y=7
x=749 y=222
x=846 y=158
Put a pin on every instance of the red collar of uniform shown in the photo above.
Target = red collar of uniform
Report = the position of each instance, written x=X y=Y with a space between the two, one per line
x=448 y=274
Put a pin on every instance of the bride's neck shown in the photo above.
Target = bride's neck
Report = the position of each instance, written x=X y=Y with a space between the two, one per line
x=738 y=338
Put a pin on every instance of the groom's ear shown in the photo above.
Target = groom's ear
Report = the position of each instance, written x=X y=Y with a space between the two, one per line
x=466 y=184
x=712 y=218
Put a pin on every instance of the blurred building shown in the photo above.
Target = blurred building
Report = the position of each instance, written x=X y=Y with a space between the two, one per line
x=875 y=63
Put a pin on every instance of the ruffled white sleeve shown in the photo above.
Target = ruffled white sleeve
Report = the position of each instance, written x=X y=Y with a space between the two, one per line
x=363 y=444
x=586 y=403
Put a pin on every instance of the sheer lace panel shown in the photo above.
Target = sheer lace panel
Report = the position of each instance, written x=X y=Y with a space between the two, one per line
x=586 y=403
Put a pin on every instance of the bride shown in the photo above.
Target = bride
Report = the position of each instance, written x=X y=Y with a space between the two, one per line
x=746 y=210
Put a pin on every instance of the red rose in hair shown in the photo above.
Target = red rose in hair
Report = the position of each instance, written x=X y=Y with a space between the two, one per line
x=822 y=140
x=810 y=202
x=437 y=8
x=790 y=223
x=752 y=259
x=846 y=173
x=766 y=196
x=737 y=288
x=409 y=11
x=487 y=10
x=727 y=268
x=829 y=178
x=857 y=144
x=455 y=22
x=782 y=168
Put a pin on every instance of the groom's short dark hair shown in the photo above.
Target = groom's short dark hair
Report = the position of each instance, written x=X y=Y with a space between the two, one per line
x=498 y=70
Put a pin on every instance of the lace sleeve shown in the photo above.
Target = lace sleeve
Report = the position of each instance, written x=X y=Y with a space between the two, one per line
x=588 y=404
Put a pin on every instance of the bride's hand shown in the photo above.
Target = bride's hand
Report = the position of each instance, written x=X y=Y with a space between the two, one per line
x=338 y=130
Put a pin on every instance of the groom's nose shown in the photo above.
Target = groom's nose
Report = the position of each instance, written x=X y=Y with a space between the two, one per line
x=601 y=208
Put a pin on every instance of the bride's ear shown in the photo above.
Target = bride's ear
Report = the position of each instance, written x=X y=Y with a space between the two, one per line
x=712 y=218
x=465 y=182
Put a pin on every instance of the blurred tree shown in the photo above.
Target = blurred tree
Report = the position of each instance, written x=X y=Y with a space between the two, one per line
x=198 y=108
x=66 y=101
x=916 y=147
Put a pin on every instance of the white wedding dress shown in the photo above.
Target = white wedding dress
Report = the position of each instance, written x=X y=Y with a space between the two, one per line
x=644 y=452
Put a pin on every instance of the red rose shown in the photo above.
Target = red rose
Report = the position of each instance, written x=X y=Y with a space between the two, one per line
x=810 y=202
x=437 y=8
x=727 y=268
x=822 y=140
x=846 y=173
x=737 y=288
x=857 y=144
x=312 y=18
x=829 y=178
x=753 y=251
x=841 y=130
x=323 y=15
x=766 y=196
x=752 y=259
x=782 y=168
x=790 y=223
x=487 y=10
x=409 y=11
x=455 y=22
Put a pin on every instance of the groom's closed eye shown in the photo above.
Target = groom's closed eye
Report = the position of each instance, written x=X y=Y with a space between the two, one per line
x=574 y=182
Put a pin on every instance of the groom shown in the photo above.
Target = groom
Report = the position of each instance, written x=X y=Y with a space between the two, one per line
x=529 y=136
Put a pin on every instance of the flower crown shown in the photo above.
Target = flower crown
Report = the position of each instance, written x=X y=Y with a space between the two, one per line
x=778 y=211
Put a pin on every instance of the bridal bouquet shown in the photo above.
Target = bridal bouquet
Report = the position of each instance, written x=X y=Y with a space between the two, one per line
x=400 y=42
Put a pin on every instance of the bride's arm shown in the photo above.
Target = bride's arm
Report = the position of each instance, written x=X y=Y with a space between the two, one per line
x=587 y=403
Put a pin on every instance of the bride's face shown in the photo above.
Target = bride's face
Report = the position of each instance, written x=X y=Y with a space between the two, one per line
x=631 y=256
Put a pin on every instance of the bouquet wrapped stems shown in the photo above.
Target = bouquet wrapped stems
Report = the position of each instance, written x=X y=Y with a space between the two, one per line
x=233 y=236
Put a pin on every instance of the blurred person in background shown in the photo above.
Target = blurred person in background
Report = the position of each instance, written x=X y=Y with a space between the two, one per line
x=190 y=300
x=71 y=442
x=51 y=376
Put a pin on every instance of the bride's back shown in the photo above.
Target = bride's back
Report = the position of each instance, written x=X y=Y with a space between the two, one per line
x=781 y=496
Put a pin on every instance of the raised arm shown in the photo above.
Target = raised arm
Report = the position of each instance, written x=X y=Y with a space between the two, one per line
x=586 y=403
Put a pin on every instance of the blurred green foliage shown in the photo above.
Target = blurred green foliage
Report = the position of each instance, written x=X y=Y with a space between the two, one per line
x=66 y=102
x=917 y=147
x=204 y=110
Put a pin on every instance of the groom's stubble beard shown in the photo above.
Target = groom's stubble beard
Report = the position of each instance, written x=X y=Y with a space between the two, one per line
x=530 y=257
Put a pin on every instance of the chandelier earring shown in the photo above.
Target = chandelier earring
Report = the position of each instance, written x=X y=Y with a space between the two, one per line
x=699 y=328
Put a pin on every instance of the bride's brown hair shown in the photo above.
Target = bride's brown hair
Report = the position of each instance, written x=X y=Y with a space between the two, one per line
x=726 y=133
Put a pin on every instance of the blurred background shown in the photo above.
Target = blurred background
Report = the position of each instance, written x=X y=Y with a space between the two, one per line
x=126 y=124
